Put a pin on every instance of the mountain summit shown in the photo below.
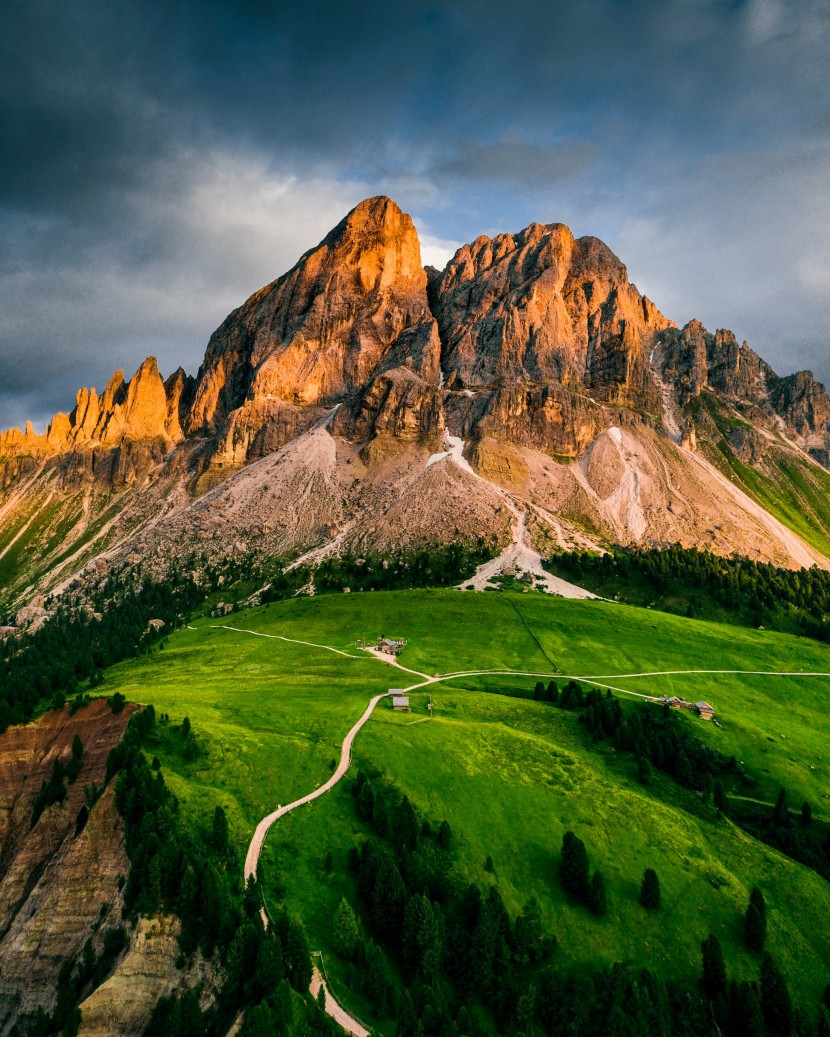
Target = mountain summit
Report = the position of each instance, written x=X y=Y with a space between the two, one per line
x=573 y=409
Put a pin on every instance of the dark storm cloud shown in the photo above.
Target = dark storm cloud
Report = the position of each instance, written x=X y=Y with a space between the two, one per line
x=162 y=160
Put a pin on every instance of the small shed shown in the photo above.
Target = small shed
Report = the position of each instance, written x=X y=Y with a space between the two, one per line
x=674 y=702
x=400 y=703
x=391 y=647
x=705 y=711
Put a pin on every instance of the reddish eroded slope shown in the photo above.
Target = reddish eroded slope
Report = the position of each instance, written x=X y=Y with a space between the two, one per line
x=58 y=877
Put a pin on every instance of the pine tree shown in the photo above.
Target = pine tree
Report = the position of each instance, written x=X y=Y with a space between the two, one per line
x=597 y=897
x=219 y=831
x=365 y=802
x=755 y=921
x=720 y=800
x=645 y=771
x=346 y=930
x=539 y=691
x=745 y=1015
x=297 y=957
x=407 y=827
x=407 y=1017
x=445 y=836
x=714 y=967
x=806 y=815
x=528 y=936
x=574 y=869
x=552 y=692
x=259 y=1022
x=775 y=999
x=269 y=966
x=781 y=811
x=282 y=1006
x=650 y=890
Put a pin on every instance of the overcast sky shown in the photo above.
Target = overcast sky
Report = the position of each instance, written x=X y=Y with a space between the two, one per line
x=162 y=159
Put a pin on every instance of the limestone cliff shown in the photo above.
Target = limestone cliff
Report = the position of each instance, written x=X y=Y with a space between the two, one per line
x=542 y=306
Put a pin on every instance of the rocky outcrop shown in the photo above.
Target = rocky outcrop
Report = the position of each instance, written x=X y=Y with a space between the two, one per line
x=123 y=1004
x=542 y=306
x=59 y=880
x=803 y=404
x=748 y=445
x=323 y=328
x=499 y=462
x=144 y=408
x=695 y=361
x=544 y=417
x=396 y=404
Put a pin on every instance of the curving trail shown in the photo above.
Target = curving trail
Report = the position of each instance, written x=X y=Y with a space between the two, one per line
x=278 y=637
x=255 y=848
x=334 y=1009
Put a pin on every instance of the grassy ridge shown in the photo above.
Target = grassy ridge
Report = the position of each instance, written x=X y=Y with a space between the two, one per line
x=509 y=775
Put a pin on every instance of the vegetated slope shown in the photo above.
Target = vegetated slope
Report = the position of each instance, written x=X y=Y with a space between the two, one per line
x=700 y=584
x=509 y=775
x=322 y=399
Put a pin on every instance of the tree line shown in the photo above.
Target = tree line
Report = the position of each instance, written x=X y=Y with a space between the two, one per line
x=689 y=582
x=435 y=565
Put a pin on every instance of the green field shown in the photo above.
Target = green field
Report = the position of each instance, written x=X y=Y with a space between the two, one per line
x=510 y=775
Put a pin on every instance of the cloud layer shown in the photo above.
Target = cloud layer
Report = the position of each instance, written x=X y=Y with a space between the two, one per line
x=162 y=161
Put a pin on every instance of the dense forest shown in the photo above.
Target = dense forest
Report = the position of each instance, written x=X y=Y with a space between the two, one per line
x=707 y=586
x=436 y=566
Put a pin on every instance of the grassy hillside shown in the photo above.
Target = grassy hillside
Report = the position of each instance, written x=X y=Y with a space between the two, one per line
x=510 y=775
x=788 y=486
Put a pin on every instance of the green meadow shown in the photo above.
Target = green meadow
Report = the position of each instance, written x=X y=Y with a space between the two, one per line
x=509 y=774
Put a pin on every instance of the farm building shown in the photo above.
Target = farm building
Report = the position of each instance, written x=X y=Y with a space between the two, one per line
x=391 y=647
x=705 y=711
x=400 y=703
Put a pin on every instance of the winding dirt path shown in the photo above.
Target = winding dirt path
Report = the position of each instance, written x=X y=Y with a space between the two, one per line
x=334 y=1009
x=278 y=637
x=255 y=848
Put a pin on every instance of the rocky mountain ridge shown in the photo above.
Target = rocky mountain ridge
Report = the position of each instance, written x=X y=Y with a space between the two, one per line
x=348 y=372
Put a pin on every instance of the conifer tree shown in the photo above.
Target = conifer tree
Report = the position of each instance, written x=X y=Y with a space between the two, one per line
x=574 y=869
x=775 y=999
x=219 y=831
x=781 y=811
x=755 y=921
x=745 y=1015
x=407 y=827
x=346 y=930
x=597 y=896
x=296 y=956
x=714 y=967
x=650 y=890
x=720 y=800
